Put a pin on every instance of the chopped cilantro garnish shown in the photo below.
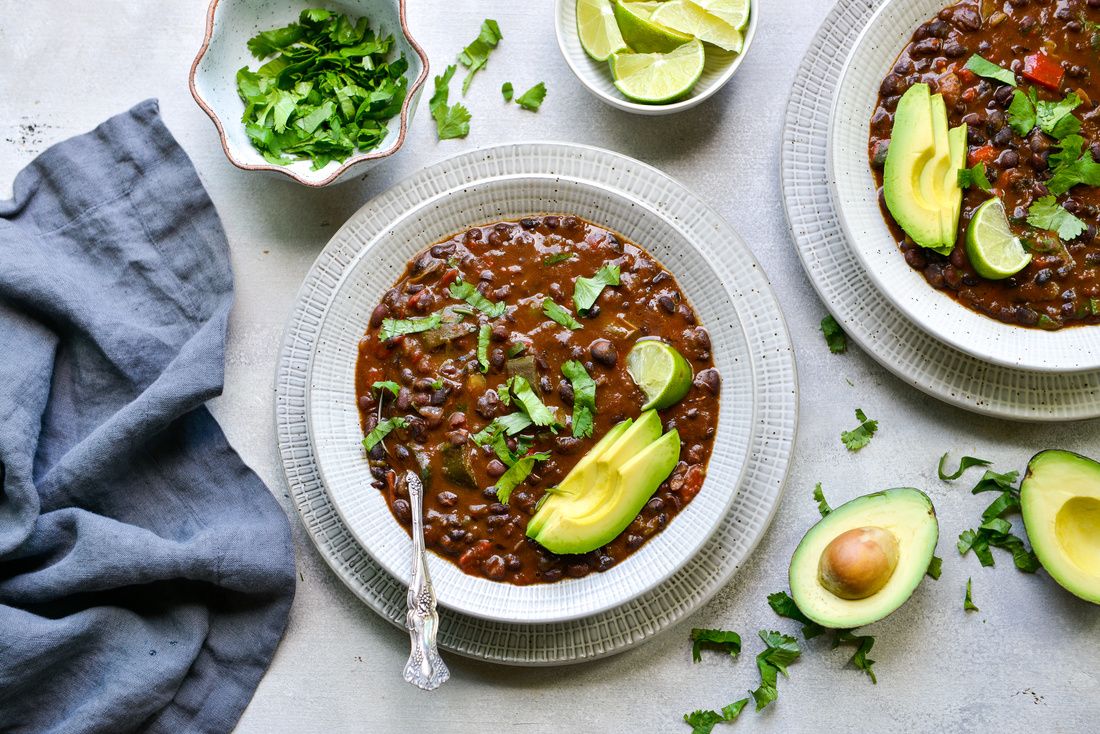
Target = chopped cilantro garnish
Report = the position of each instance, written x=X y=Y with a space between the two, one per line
x=530 y=403
x=1056 y=118
x=506 y=91
x=483 y=335
x=965 y=463
x=722 y=640
x=783 y=605
x=474 y=56
x=516 y=349
x=995 y=531
x=968 y=601
x=383 y=429
x=1045 y=213
x=703 y=721
x=859 y=658
x=781 y=651
x=390 y=385
x=562 y=316
x=465 y=291
x=450 y=121
x=517 y=474
x=1070 y=165
x=819 y=497
x=974 y=176
x=397 y=327
x=1021 y=112
x=859 y=436
x=584 y=398
x=532 y=98
x=587 y=290
x=834 y=335
x=935 y=567
x=986 y=68
x=559 y=257
x=509 y=425
x=437 y=384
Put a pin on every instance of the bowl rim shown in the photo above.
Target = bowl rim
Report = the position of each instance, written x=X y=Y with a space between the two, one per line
x=996 y=347
x=655 y=109
x=353 y=160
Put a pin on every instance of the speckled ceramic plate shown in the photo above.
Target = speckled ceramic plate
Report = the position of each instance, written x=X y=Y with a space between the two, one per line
x=768 y=367
x=866 y=314
x=872 y=56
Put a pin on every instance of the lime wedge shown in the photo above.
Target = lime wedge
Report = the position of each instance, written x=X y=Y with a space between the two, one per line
x=734 y=12
x=662 y=373
x=687 y=17
x=643 y=35
x=993 y=250
x=658 y=78
x=644 y=9
x=597 y=29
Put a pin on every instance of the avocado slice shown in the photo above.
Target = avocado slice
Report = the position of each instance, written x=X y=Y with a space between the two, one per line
x=1060 y=502
x=920 y=179
x=865 y=558
x=613 y=504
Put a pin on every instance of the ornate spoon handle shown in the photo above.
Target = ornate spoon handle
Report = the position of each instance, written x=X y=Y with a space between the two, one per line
x=425 y=669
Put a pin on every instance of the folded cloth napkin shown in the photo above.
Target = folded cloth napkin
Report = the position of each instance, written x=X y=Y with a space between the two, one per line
x=146 y=573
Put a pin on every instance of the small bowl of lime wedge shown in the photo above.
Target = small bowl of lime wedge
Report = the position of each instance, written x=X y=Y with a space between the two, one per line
x=654 y=57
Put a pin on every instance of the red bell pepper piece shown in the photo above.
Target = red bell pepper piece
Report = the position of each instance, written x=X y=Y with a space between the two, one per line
x=1042 y=69
x=985 y=154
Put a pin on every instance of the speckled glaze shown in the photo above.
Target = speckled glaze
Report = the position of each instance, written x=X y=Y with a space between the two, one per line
x=229 y=25
x=829 y=258
x=680 y=567
x=873 y=53
x=719 y=68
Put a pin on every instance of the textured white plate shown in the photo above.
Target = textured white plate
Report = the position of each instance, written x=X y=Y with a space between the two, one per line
x=873 y=54
x=718 y=68
x=868 y=317
x=770 y=367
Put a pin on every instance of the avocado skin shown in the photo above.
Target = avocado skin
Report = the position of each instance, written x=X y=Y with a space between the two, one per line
x=907 y=512
x=1055 y=478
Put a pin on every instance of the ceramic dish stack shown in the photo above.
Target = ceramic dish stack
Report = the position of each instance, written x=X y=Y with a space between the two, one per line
x=921 y=335
x=681 y=567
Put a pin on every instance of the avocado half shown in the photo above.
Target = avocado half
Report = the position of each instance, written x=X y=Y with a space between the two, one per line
x=1060 y=502
x=909 y=521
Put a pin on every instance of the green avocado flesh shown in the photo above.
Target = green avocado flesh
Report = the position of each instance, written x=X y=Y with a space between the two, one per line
x=607 y=488
x=1060 y=502
x=920 y=180
x=905 y=513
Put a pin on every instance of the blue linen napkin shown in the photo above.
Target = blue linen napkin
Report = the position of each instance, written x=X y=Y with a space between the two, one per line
x=146 y=573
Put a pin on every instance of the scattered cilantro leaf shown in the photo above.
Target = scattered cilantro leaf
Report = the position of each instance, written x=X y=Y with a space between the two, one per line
x=556 y=313
x=559 y=257
x=1021 y=112
x=1056 y=118
x=508 y=425
x=781 y=651
x=506 y=91
x=1045 y=213
x=451 y=121
x=783 y=605
x=974 y=176
x=390 y=385
x=991 y=481
x=584 y=398
x=703 y=721
x=383 y=429
x=1070 y=165
x=722 y=640
x=1007 y=502
x=834 y=335
x=516 y=349
x=530 y=403
x=819 y=497
x=517 y=474
x=474 y=56
x=532 y=98
x=965 y=463
x=995 y=531
x=859 y=658
x=968 y=602
x=462 y=290
x=935 y=567
x=587 y=290
x=986 y=68
x=483 y=335
x=859 y=436
x=397 y=327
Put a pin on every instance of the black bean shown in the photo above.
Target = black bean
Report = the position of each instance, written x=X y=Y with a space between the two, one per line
x=685 y=311
x=934 y=275
x=500 y=333
x=927 y=47
x=1003 y=95
x=700 y=338
x=604 y=352
x=1008 y=159
x=528 y=223
x=551 y=222
x=512 y=562
x=578 y=570
x=473 y=235
x=655 y=505
x=380 y=312
x=974 y=136
x=402 y=511
x=667 y=304
x=567 y=444
x=953 y=49
x=401 y=452
x=1026 y=316
x=1002 y=137
x=709 y=380
x=565 y=391
x=494 y=567
x=497 y=358
x=893 y=84
x=966 y=17
x=442 y=251
x=377 y=452
x=495 y=468
x=552 y=574
x=433 y=416
x=915 y=258
x=447 y=499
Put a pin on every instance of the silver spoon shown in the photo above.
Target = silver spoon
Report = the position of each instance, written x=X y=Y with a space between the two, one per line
x=425 y=669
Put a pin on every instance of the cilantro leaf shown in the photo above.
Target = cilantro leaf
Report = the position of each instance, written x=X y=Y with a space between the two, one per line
x=587 y=290
x=517 y=474
x=383 y=429
x=722 y=640
x=397 y=327
x=506 y=91
x=462 y=290
x=558 y=258
x=781 y=651
x=1021 y=113
x=1071 y=164
x=819 y=497
x=1045 y=213
x=556 y=313
x=935 y=567
x=450 y=121
x=965 y=463
x=474 y=56
x=991 y=481
x=1056 y=118
x=584 y=398
x=483 y=334
x=986 y=68
x=968 y=602
x=529 y=402
x=509 y=425
x=390 y=385
x=532 y=98
x=859 y=436
x=834 y=335
x=783 y=605
x=703 y=721
x=859 y=658
x=974 y=176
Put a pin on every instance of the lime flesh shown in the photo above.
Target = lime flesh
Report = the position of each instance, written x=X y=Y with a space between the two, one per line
x=734 y=12
x=660 y=372
x=599 y=33
x=658 y=78
x=993 y=250
x=643 y=35
x=686 y=17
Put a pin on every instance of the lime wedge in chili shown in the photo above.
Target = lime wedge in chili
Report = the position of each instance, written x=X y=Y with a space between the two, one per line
x=662 y=373
x=993 y=250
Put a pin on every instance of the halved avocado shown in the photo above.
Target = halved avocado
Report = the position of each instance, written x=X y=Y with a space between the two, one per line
x=1060 y=502
x=865 y=558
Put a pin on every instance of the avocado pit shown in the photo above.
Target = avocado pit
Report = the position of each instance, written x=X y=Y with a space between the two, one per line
x=858 y=562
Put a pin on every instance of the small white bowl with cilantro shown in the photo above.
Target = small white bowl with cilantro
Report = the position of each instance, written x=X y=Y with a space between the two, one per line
x=306 y=90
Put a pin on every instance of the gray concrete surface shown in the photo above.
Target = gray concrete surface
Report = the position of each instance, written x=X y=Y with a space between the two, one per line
x=1028 y=661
